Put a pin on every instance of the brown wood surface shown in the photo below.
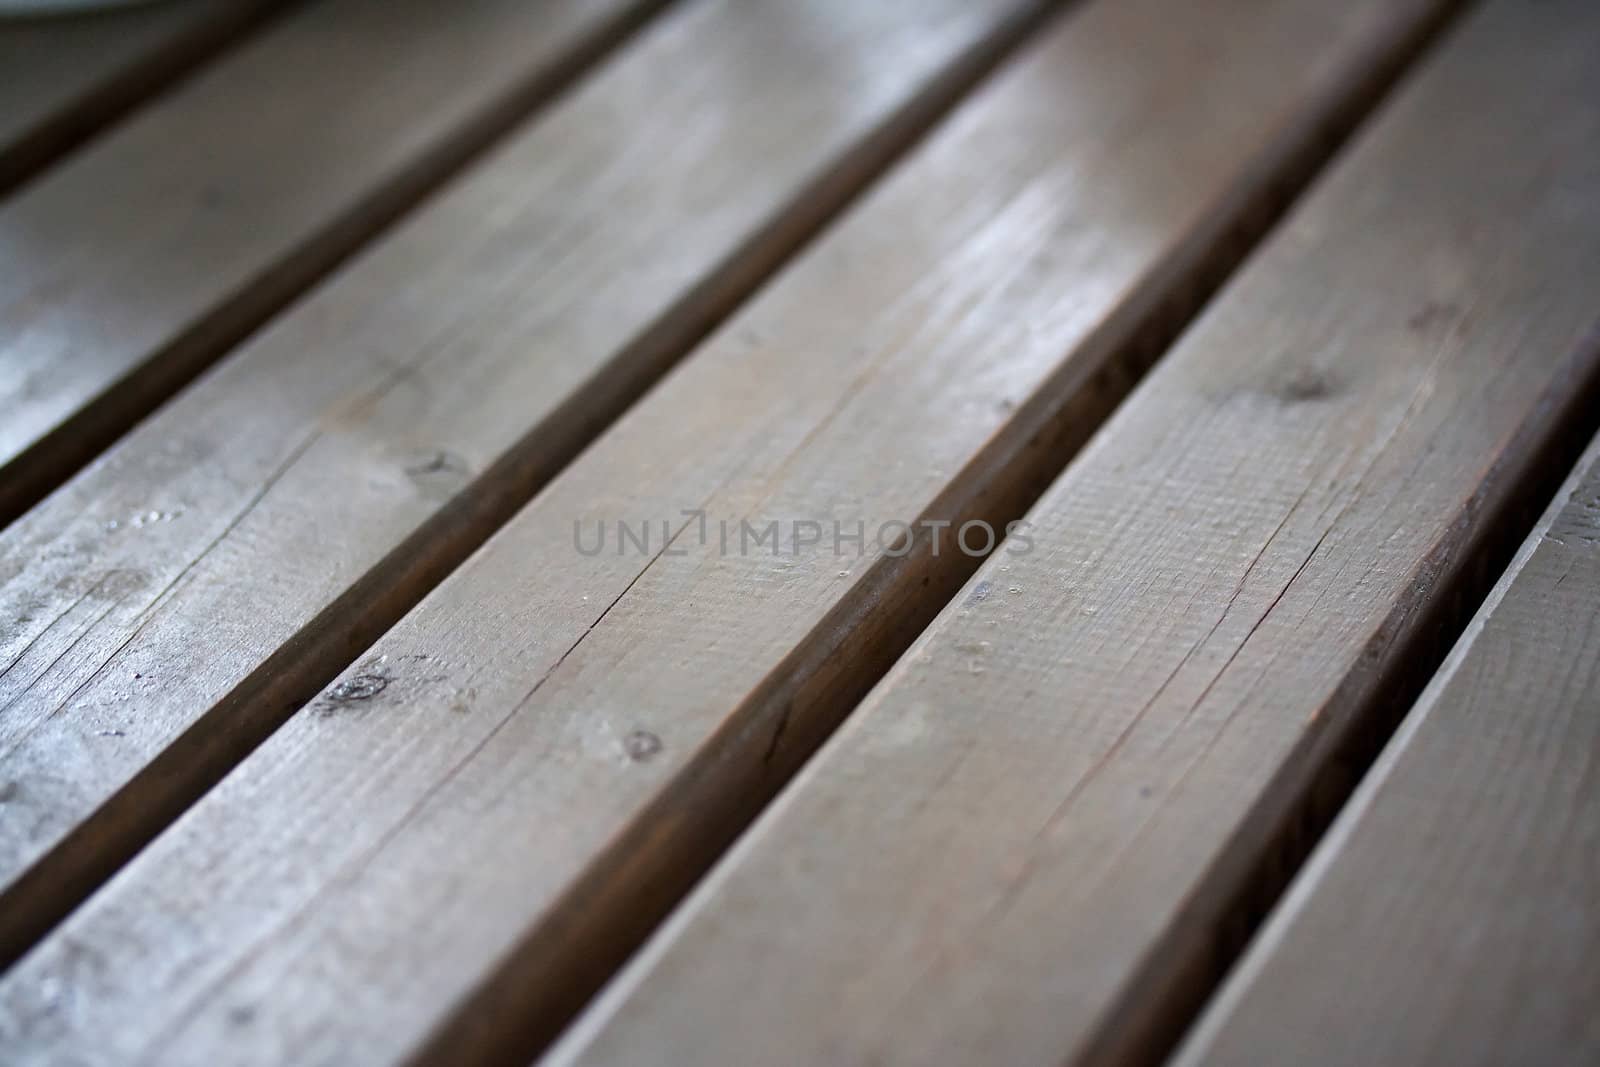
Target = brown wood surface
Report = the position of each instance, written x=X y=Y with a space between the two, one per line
x=469 y=827
x=1450 y=916
x=62 y=78
x=1020 y=848
x=137 y=260
x=174 y=602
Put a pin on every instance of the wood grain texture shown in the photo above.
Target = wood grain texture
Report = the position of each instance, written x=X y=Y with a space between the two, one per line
x=459 y=838
x=134 y=263
x=171 y=605
x=1020 y=848
x=66 y=77
x=1450 y=915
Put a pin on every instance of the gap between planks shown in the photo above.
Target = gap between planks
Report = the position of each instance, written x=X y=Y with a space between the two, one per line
x=141 y=381
x=1449 y=916
x=287 y=676
x=1307 y=820
x=167 y=42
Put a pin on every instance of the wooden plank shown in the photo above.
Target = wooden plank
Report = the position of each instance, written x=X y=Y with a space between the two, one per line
x=455 y=842
x=171 y=605
x=1449 y=916
x=1026 y=844
x=137 y=261
x=66 y=77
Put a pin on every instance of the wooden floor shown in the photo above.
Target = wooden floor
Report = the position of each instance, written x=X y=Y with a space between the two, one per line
x=801 y=531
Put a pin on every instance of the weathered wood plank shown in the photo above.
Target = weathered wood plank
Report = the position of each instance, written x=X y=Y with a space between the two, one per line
x=472 y=826
x=66 y=77
x=1450 y=915
x=171 y=605
x=1023 y=847
x=134 y=263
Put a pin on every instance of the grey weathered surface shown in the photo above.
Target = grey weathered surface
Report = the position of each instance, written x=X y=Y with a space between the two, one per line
x=1450 y=916
x=301 y=491
x=63 y=77
x=468 y=828
x=1020 y=848
x=133 y=262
